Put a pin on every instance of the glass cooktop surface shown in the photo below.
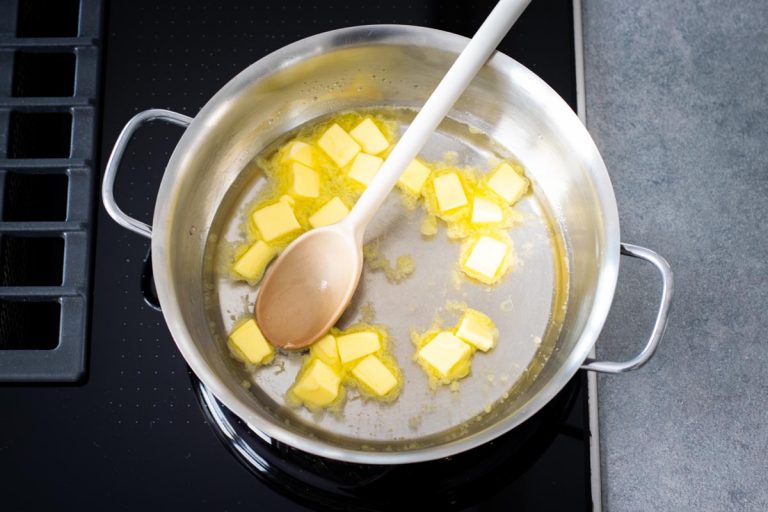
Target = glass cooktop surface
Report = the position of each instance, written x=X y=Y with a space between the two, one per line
x=137 y=431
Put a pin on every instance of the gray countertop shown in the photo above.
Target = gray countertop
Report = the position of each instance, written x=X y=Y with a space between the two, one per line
x=677 y=101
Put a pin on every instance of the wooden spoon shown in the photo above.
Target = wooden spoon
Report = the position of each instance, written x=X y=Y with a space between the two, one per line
x=311 y=283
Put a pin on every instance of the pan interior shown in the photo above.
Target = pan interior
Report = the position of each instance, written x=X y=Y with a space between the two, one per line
x=210 y=177
x=528 y=306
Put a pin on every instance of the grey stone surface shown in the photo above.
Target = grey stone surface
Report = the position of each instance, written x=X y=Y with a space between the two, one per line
x=677 y=101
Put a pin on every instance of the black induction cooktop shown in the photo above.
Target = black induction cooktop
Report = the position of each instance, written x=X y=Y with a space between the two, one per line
x=132 y=428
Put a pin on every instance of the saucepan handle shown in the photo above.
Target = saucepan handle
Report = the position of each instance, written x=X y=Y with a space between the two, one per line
x=667 y=290
x=107 y=186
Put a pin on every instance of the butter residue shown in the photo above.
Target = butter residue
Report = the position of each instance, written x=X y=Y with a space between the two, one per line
x=367 y=313
x=455 y=306
x=507 y=305
x=402 y=269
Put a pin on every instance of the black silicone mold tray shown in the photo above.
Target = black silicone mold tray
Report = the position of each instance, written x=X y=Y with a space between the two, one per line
x=49 y=77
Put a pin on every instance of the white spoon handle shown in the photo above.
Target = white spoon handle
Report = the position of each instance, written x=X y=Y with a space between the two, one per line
x=459 y=76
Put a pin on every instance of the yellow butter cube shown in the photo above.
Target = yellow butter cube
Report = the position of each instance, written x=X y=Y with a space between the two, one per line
x=275 y=220
x=338 y=145
x=306 y=182
x=375 y=375
x=449 y=192
x=477 y=329
x=356 y=345
x=300 y=152
x=364 y=168
x=318 y=384
x=252 y=263
x=507 y=183
x=486 y=259
x=249 y=345
x=444 y=354
x=368 y=135
x=414 y=176
x=485 y=211
x=330 y=213
x=325 y=349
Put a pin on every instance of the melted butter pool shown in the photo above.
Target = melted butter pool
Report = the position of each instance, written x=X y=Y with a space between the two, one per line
x=526 y=305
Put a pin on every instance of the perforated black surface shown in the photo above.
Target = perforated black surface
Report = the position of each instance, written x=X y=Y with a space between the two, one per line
x=49 y=71
x=132 y=436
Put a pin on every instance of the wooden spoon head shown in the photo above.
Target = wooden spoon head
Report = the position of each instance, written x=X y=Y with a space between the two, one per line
x=308 y=287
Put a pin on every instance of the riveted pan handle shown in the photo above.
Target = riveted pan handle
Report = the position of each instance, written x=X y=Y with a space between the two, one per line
x=107 y=186
x=667 y=290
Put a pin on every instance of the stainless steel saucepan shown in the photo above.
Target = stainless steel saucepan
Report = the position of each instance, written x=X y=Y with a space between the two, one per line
x=549 y=309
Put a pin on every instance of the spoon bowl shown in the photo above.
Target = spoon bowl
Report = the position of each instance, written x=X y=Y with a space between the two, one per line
x=309 y=286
